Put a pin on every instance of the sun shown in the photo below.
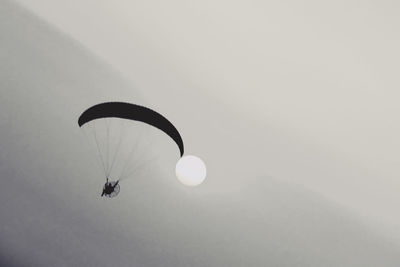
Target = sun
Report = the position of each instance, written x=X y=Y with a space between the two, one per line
x=190 y=170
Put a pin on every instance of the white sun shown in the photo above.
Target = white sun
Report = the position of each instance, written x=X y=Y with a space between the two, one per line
x=190 y=170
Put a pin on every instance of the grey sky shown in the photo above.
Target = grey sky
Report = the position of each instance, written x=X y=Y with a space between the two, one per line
x=299 y=142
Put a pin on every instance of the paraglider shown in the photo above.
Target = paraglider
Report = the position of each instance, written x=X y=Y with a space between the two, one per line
x=132 y=113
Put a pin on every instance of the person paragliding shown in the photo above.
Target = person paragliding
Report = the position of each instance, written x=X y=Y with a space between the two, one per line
x=110 y=189
x=121 y=111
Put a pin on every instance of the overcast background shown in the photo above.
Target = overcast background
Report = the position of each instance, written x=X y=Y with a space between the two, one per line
x=292 y=105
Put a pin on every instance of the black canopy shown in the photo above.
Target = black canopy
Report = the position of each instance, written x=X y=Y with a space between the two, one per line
x=132 y=112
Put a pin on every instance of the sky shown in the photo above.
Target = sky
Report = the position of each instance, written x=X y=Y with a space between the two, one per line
x=292 y=107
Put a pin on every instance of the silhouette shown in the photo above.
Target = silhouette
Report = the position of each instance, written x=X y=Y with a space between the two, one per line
x=132 y=112
x=117 y=111
x=111 y=189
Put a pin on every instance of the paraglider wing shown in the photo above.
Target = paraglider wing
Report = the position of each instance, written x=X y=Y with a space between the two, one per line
x=132 y=112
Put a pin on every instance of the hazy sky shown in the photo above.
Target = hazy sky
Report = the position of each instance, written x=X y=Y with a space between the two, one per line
x=292 y=106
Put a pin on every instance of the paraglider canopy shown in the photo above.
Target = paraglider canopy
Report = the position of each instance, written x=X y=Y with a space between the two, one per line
x=132 y=112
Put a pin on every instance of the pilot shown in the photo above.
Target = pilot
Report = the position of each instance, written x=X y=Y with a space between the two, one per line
x=109 y=188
